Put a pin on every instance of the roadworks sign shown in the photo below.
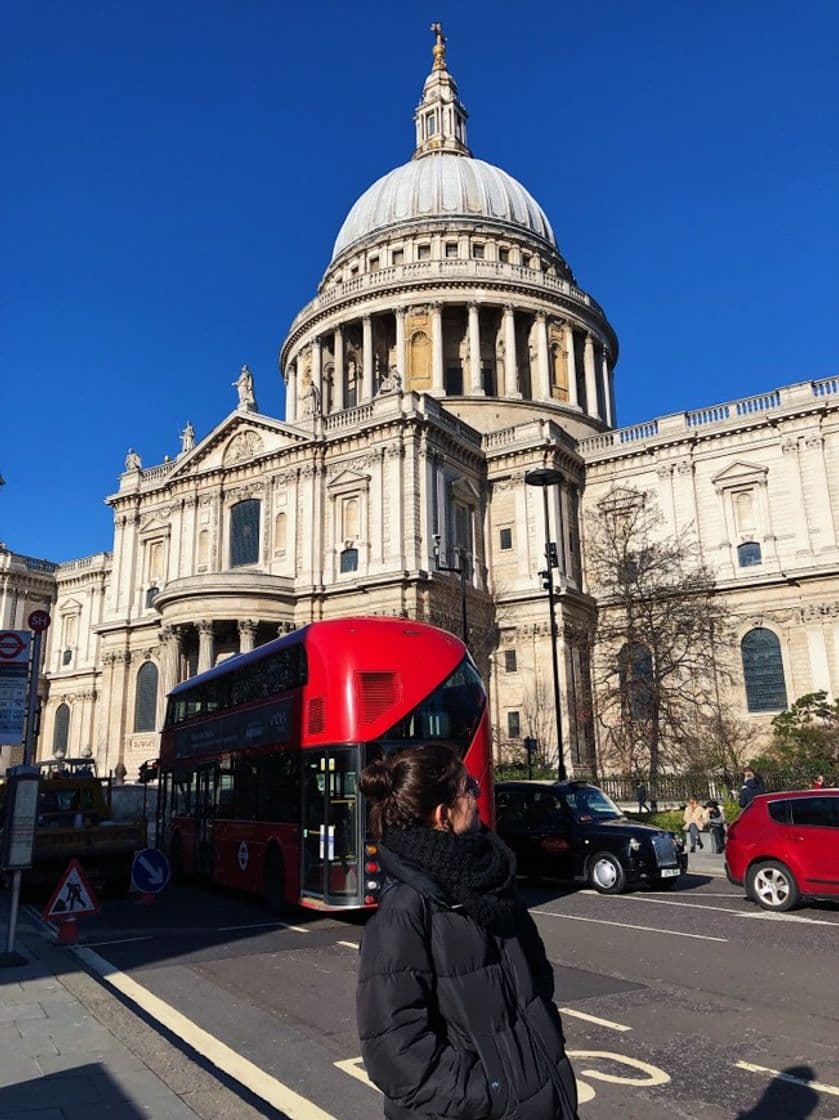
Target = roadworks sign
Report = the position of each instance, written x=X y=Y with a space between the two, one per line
x=72 y=897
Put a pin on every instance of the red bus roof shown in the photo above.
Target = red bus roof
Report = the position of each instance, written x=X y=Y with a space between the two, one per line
x=367 y=672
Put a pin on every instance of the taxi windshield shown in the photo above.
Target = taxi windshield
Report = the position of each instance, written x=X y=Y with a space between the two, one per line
x=588 y=803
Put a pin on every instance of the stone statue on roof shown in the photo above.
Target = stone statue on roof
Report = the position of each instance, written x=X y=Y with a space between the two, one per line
x=244 y=385
x=187 y=438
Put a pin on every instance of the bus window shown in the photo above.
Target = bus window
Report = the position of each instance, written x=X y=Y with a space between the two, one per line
x=451 y=713
x=279 y=787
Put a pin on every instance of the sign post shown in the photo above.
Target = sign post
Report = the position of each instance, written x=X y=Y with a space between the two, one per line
x=19 y=833
x=149 y=873
x=71 y=899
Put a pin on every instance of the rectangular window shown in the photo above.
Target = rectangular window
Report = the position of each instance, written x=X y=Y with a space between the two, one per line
x=454 y=381
x=513 y=725
x=504 y=255
x=506 y=536
x=423 y=252
x=510 y=665
x=478 y=250
x=451 y=248
x=374 y=264
x=398 y=256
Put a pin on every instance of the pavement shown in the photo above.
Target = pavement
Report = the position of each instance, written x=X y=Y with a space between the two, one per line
x=73 y=1050
x=705 y=861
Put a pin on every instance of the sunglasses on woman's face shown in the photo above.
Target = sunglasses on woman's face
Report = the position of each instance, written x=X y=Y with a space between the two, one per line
x=473 y=788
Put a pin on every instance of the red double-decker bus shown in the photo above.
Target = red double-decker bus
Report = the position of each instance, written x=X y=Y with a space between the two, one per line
x=260 y=756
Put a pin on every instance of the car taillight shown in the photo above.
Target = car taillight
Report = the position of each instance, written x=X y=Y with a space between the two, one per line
x=371 y=867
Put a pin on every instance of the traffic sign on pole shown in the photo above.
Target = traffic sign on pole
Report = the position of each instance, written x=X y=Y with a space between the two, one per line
x=149 y=871
x=39 y=621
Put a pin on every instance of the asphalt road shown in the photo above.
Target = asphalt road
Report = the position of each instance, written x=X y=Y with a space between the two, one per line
x=681 y=1004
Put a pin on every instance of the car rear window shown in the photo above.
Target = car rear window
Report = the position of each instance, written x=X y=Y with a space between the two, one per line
x=816 y=811
x=779 y=811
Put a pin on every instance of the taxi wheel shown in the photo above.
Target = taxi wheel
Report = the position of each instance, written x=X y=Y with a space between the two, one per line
x=772 y=885
x=605 y=873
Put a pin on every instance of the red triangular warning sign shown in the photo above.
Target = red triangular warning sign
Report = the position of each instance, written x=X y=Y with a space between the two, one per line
x=72 y=896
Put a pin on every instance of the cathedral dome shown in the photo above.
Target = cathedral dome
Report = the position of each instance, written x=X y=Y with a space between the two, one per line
x=443 y=186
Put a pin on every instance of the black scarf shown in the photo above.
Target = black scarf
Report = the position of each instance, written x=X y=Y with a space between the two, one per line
x=476 y=871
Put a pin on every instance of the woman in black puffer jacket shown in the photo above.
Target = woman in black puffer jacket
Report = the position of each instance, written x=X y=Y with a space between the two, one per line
x=455 y=993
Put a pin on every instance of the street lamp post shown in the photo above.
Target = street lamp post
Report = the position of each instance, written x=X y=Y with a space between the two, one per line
x=461 y=570
x=545 y=477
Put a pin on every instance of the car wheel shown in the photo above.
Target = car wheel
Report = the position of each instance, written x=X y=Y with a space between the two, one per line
x=773 y=886
x=605 y=873
x=274 y=886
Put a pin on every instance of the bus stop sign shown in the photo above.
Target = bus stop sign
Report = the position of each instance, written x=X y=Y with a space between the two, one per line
x=149 y=871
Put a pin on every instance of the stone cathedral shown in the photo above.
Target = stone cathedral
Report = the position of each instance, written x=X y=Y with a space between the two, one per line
x=448 y=351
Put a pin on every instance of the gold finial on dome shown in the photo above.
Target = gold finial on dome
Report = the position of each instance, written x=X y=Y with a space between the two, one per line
x=439 y=48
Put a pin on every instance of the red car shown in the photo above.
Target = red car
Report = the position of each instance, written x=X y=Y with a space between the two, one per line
x=785 y=847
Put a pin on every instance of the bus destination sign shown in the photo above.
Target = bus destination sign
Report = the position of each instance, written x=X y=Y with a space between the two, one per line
x=237 y=730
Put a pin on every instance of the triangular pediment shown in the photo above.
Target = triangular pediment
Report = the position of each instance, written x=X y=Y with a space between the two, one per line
x=69 y=606
x=153 y=523
x=348 y=478
x=739 y=472
x=239 y=438
x=465 y=490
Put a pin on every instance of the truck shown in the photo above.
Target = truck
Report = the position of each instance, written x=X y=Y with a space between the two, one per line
x=75 y=821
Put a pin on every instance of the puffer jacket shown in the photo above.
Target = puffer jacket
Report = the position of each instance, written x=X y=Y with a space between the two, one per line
x=456 y=1022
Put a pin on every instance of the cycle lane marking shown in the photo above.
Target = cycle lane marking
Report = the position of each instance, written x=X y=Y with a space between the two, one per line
x=763 y=914
x=593 y=1019
x=628 y=925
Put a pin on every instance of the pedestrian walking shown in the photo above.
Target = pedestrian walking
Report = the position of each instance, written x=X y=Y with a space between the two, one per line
x=696 y=819
x=641 y=795
x=716 y=825
x=455 y=992
x=752 y=785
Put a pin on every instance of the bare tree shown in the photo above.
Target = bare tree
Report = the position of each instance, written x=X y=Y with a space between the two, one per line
x=445 y=609
x=660 y=630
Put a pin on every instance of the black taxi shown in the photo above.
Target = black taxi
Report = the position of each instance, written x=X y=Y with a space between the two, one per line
x=573 y=830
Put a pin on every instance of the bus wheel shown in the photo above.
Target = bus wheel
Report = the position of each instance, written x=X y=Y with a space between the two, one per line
x=176 y=860
x=274 y=885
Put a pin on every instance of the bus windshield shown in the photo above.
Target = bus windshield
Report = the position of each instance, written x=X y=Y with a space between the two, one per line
x=450 y=714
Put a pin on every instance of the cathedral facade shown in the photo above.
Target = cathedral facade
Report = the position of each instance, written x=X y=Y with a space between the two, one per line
x=447 y=353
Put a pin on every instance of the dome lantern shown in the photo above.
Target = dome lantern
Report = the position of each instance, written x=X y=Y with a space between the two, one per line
x=440 y=117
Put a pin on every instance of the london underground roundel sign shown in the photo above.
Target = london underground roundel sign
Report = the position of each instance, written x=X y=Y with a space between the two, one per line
x=11 y=645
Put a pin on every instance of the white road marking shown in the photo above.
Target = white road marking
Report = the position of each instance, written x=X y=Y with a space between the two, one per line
x=627 y=925
x=818 y=1086
x=264 y=925
x=727 y=910
x=116 y=941
x=355 y=1068
x=652 y=1074
x=593 y=1019
x=267 y=1088
x=348 y=944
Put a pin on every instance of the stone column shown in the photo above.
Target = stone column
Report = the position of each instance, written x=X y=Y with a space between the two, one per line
x=511 y=368
x=401 y=354
x=291 y=392
x=607 y=395
x=317 y=374
x=542 y=365
x=437 y=383
x=367 y=359
x=247 y=633
x=206 y=650
x=338 y=375
x=591 y=377
x=170 y=637
x=570 y=365
x=475 y=387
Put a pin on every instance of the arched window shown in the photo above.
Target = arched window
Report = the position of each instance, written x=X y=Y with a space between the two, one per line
x=748 y=554
x=350 y=519
x=636 y=681
x=280 y=532
x=244 y=533
x=203 y=549
x=763 y=671
x=61 y=731
x=145 y=700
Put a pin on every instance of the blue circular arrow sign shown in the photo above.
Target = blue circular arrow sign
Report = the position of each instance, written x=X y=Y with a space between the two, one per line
x=149 y=871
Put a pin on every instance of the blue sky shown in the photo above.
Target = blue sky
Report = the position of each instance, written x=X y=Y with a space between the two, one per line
x=176 y=174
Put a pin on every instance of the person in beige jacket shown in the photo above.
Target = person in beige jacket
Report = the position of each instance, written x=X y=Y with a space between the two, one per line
x=696 y=819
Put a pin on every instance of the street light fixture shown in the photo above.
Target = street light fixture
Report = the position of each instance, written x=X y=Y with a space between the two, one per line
x=460 y=569
x=545 y=477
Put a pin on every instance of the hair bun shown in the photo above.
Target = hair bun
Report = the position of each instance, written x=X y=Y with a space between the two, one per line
x=376 y=781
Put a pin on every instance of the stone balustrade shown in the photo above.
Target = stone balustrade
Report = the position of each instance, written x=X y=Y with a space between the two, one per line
x=800 y=393
x=445 y=271
x=100 y=560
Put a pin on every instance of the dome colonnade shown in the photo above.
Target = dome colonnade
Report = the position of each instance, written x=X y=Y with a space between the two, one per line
x=447 y=276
